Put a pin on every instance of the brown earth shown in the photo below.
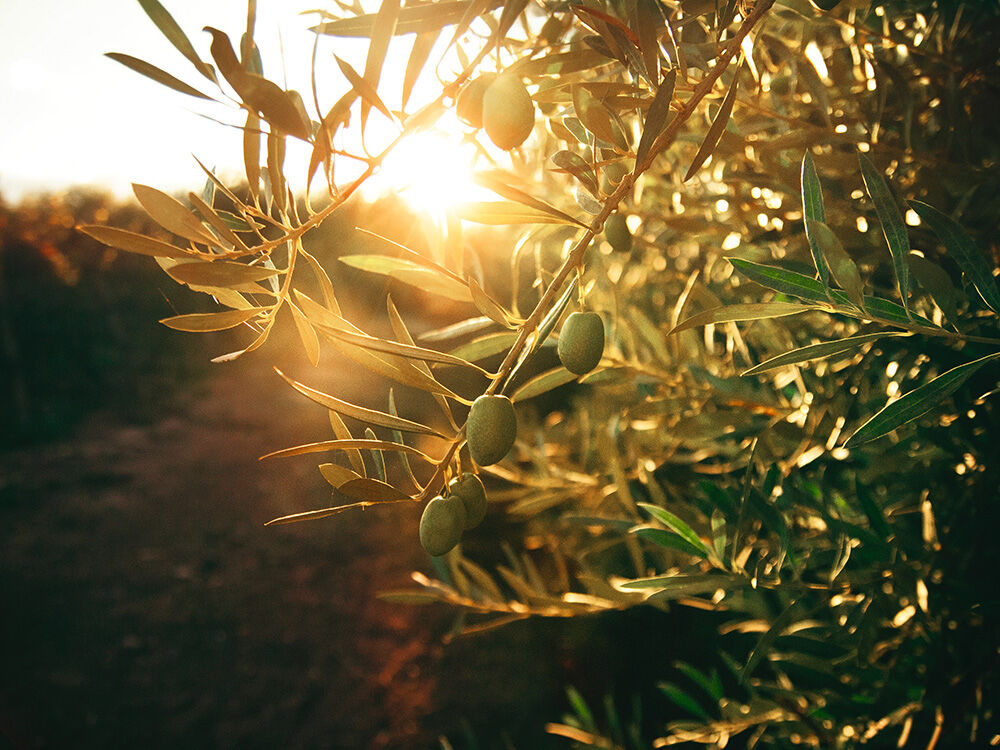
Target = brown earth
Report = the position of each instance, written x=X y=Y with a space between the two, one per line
x=145 y=603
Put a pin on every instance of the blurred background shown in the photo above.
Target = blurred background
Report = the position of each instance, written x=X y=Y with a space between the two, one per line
x=142 y=598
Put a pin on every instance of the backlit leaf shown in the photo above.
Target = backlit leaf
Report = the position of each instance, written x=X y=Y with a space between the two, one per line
x=818 y=351
x=364 y=89
x=423 y=44
x=362 y=414
x=892 y=225
x=414 y=274
x=132 y=242
x=579 y=167
x=310 y=341
x=151 y=71
x=169 y=28
x=749 y=311
x=676 y=525
x=507 y=212
x=337 y=475
x=500 y=187
x=382 y=31
x=343 y=433
x=656 y=116
x=219 y=273
x=371 y=490
x=490 y=307
x=812 y=210
x=217 y=321
x=917 y=402
x=414 y=19
x=839 y=263
x=714 y=134
x=349 y=446
x=543 y=383
x=961 y=247
x=597 y=118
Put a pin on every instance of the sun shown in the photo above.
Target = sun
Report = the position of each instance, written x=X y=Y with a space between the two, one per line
x=431 y=171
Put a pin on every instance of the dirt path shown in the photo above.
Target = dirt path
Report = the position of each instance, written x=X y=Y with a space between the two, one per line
x=144 y=603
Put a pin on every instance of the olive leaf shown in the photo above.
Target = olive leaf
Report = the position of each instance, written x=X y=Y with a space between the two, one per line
x=893 y=227
x=819 y=351
x=217 y=321
x=656 y=117
x=743 y=312
x=714 y=134
x=169 y=28
x=812 y=210
x=917 y=402
x=362 y=414
x=132 y=242
x=152 y=72
x=961 y=247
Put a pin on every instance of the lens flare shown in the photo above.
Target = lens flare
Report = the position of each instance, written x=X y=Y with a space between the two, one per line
x=431 y=171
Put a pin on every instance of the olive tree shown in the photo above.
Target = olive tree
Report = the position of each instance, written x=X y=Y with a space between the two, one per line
x=753 y=235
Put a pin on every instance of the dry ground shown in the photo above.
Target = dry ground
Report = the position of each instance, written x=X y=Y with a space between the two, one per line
x=145 y=603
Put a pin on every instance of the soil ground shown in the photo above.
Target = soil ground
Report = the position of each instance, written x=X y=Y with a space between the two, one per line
x=145 y=603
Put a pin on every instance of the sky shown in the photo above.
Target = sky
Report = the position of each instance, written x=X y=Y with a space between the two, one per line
x=70 y=116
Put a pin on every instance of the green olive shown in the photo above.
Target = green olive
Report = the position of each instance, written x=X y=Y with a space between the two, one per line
x=441 y=525
x=508 y=112
x=617 y=233
x=581 y=342
x=469 y=106
x=469 y=489
x=490 y=429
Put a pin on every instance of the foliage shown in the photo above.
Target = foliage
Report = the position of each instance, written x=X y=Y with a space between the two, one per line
x=826 y=180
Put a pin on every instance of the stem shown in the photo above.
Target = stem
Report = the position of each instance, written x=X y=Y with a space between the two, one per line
x=575 y=257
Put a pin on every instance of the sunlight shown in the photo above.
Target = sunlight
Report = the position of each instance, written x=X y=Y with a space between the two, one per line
x=431 y=171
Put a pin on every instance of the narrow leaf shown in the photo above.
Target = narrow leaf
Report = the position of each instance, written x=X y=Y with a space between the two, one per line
x=151 y=71
x=892 y=225
x=132 y=242
x=371 y=490
x=219 y=273
x=415 y=19
x=348 y=446
x=217 y=321
x=961 y=247
x=507 y=212
x=382 y=31
x=362 y=414
x=656 y=117
x=818 y=351
x=553 y=315
x=169 y=28
x=423 y=44
x=917 y=402
x=543 y=383
x=392 y=347
x=579 y=167
x=839 y=263
x=500 y=187
x=766 y=641
x=674 y=523
x=337 y=475
x=742 y=312
x=310 y=341
x=343 y=433
x=670 y=539
x=490 y=307
x=714 y=134
x=364 y=89
x=812 y=210
x=409 y=272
